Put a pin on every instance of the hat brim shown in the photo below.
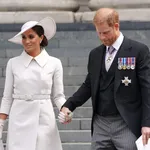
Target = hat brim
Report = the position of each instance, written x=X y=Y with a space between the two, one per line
x=48 y=25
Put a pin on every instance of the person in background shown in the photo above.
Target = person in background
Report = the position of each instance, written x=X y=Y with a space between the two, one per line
x=118 y=82
x=33 y=80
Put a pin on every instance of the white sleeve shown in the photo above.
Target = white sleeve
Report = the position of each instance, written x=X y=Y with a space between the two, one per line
x=58 y=87
x=8 y=90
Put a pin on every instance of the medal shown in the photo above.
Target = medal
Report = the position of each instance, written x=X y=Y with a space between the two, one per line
x=119 y=67
x=132 y=67
x=119 y=63
x=129 y=63
x=132 y=63
x=124 y=63
x=126 y=81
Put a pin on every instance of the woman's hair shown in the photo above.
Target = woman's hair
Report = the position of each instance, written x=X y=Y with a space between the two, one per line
x=40 y=31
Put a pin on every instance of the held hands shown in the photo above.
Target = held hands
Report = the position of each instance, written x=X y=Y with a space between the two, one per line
x=145 y=135
x=2 y=122
x=65 y=115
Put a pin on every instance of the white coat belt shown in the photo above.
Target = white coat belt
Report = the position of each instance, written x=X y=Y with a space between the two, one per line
x=31 y=97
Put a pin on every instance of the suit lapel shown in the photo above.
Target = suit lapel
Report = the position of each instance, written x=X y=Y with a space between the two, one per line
x=123 y=52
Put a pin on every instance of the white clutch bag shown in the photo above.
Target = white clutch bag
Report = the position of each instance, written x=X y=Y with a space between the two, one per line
x=1 y=145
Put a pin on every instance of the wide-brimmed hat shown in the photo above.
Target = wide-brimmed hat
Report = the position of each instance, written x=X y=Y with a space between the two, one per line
x=47 y=23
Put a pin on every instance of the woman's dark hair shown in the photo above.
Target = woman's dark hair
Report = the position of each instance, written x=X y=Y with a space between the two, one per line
x=40 y=31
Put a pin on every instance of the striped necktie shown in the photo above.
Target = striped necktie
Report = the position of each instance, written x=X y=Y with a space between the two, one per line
x=111 y=49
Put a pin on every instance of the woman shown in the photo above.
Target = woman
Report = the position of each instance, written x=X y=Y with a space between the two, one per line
x=33 y=79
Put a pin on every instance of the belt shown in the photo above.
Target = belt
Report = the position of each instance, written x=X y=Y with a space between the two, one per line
x=29 y=97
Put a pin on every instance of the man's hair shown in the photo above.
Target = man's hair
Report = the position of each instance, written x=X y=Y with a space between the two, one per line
x=111 y=18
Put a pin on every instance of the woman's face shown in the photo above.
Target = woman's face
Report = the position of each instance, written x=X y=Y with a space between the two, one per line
x=31 y=42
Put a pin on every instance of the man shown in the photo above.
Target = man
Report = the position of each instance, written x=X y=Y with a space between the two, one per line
x=118 y=81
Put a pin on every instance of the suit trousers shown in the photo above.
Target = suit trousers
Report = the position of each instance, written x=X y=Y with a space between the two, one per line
x=112 y=133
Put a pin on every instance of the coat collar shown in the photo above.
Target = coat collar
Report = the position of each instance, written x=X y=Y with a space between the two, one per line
x=41 y=59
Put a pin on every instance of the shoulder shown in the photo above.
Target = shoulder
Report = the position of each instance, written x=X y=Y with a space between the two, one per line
x=51 y=59
x=55 y=62
x=14 y=60
x=97 y=50
x=54 y=59
x=138 y=45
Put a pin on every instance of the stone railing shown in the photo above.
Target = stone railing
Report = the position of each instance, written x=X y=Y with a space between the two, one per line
x=69 y=11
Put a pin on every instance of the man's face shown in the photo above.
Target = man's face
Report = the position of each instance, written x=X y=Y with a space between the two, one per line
x=107 y=34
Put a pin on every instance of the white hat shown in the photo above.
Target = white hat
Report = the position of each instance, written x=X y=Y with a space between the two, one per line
x=47 y=23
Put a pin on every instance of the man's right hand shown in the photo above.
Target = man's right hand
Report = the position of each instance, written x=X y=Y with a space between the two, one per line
x=65 y=115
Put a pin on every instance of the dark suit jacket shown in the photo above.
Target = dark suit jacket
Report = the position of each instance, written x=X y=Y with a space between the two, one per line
x=133 y=101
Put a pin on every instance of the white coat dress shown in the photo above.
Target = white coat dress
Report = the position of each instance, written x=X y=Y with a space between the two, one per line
x=30 y=85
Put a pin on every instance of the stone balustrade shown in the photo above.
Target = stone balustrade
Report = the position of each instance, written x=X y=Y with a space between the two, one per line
x=39 y=5
x=70 y=11
x=119 y=4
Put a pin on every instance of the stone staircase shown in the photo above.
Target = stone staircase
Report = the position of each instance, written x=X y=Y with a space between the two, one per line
x=72 y=47
x=72 y=44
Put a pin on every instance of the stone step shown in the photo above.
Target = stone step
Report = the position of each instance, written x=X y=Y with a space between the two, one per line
x=66 y=61
x=70 y=43
x=68 y=33
x=77 y=146
x=74 y=61
x=71 y=83
x=81 y=115
x=67 y=95
x=69 y=90
x=68 y=136
x=70 y=71
x=88 y=103
x=75 y=71
x=57 y=52
x=74 y=80
x=75 y=136
x=75 y=124
x=73 y=146
x=8 y=49
x=80 y=112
